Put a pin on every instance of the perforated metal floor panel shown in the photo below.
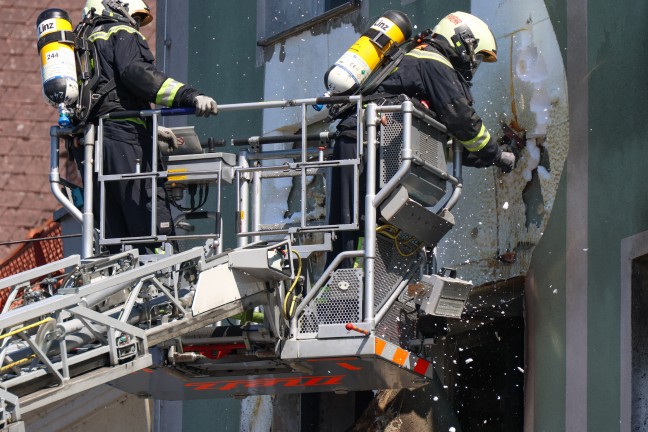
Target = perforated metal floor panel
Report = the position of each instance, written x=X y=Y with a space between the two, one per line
x=339 y=302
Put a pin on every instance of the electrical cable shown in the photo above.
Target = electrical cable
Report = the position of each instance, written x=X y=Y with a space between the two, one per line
x=288 y=312
x=393 y=233
x=8 y=243
x=202 y=200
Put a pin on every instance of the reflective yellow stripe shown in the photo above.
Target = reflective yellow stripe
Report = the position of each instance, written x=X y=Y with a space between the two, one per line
x=111 y=31
x=167 y=92
x=479 y=141
x=430 y=56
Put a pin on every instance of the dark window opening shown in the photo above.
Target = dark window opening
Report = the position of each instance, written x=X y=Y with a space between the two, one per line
x=639 y=326
x=485 y=366
x=487 y=389
x=330 y=4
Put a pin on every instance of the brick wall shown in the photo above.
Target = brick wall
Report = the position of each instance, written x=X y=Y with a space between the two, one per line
x=25 y=118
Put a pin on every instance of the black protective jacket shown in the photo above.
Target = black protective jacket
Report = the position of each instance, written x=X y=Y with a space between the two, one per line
x=129 y=74
x=426 y=73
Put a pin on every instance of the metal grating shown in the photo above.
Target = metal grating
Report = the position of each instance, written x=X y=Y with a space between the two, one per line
x=428 y=144
x=391 y=145
x=32 y=254
x=339 y=302
x=398 y=326
x=399 y=323
x=391 y=267
x=431 y=145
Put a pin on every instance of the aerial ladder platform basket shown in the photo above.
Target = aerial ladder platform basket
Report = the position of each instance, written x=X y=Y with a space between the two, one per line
x=163 y=326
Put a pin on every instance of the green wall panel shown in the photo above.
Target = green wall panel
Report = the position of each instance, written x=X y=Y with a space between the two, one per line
x=548 y=300
x=558 y=14
x=222 y=60
x=549 y=294
x=222 y=64
x=618 y=204
x=222 y=415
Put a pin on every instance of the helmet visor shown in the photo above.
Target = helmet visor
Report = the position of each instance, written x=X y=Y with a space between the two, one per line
x=144 y=16
x=489 y=56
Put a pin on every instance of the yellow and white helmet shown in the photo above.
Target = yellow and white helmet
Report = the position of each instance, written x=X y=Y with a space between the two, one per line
x=469 y=37
x=136 y=9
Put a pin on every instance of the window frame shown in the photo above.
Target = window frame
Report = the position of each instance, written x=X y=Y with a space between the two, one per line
x=342 y=9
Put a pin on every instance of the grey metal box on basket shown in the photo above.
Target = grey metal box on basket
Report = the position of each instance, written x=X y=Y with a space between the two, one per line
x=422 y=186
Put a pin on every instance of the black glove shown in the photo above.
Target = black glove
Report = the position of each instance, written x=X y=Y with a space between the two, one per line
x=505 y=161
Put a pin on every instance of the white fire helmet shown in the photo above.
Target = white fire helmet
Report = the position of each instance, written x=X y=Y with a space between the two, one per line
x=136 y=8
x=470 y=38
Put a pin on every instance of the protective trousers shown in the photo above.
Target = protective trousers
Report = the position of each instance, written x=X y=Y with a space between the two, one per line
x=128 y=202
x=342 y=199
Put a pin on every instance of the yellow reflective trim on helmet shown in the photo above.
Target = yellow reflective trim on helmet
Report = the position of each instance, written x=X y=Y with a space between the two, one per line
x=167 y=92
x=104 y=35
x=479 y=142
x=430 y=56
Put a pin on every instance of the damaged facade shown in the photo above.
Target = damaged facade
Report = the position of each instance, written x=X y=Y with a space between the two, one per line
x=513 y=227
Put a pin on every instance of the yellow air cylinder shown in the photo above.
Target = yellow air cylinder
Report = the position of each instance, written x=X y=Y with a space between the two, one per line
x=58 y=64
x=360 y=60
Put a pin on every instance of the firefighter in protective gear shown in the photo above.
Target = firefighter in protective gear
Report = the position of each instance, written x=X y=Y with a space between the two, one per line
x=437 y=72
x=127 y=66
